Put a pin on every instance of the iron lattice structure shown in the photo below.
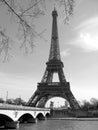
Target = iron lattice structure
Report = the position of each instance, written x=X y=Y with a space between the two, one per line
x=47 y=89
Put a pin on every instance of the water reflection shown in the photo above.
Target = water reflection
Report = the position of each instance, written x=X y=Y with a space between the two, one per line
x=61 y=125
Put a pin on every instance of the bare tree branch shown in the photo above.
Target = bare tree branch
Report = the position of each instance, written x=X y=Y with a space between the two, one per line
x=68 y=6
x=28 y=36
x=31 y=7
x=6 y=3
x=5 y=47
x=28 y=33
x=25 y=17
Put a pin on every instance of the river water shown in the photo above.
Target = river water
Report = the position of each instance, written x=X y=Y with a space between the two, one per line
x=61 y=125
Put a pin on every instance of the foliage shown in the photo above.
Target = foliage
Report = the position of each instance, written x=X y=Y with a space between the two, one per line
x=94 y=101
x=86 y=105
x=93 y=104
x=17 y=101
x=10 y=101
x=1 y=100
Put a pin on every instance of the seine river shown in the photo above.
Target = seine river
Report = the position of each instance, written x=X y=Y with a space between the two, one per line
x=61 y=125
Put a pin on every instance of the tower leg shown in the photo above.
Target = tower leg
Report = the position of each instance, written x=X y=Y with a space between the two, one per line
x=72 y=101
x=34 y=98
x=42 y=102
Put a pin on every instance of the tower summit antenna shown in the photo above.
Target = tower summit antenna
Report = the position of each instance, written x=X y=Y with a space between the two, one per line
x=54 y=7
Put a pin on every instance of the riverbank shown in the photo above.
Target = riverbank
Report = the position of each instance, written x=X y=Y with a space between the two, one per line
x=74 y=119
x=74 y=114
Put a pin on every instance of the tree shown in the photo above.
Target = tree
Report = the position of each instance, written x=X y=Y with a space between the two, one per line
x=1 y=100
x=19 y=101
x=94 y=102
x=9 y=101
x=24 y=12
x=86 y=105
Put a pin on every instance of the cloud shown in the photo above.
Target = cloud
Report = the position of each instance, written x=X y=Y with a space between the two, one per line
x=87 y=37
x=92 y=22
x=65 y=53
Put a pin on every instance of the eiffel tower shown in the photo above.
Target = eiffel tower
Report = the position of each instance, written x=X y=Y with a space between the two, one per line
x=47 y=89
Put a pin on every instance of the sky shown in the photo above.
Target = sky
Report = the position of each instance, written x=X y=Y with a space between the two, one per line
x=79 y=52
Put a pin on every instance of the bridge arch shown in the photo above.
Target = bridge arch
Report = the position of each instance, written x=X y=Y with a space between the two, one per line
x=5 y=118
x=40 y=116
x=8 y=114
x=26 y=117
x=47 y=115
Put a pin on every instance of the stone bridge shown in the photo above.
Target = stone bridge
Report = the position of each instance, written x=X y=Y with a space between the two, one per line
x=12 y=115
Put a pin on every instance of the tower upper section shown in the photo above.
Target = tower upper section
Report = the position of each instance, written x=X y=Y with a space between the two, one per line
x=54 y=49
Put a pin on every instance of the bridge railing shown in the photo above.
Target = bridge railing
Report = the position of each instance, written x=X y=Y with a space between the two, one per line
x=17 y=107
